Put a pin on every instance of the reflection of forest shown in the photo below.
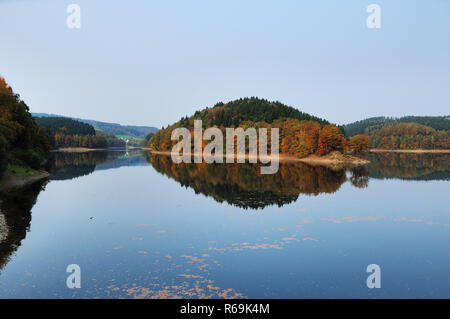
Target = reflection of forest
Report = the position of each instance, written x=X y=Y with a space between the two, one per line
x=66 y=165
x=70 y=165
x=118 y=159
x=409 y=166
x=15 y=218
x=242 y=185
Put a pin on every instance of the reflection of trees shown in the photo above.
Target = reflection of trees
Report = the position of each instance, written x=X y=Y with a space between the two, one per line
x=66 y=165
x=242 y=185
x=118 y=159
x=410 y=166
x=360 y=176
x=71 y=165
x=15 y=214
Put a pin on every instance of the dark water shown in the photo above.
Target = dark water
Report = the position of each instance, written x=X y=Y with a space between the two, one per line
x=140 y=226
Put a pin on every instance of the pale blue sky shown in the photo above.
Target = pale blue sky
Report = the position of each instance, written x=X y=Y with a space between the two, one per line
x=152 y=62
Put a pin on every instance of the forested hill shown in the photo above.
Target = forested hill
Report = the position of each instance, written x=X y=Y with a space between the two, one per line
x=65 y=132
x=301 y=134
x=64 y=124
x=114 y=128
x=250 y=109
x=359 y=127
x=23 y=143
x=407 y=136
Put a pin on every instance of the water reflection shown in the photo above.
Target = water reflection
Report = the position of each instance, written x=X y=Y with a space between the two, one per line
x=243 y=186
x=15 y=218
x=360 y=176
x=169 y=246
x=16 y=205
x=72 y=165
x=409 y=166
x=66 y=165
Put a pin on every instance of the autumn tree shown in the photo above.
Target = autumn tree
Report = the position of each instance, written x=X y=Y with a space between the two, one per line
x=407 y=136
x=331 y=138
x=22 y=141
x=359 y=144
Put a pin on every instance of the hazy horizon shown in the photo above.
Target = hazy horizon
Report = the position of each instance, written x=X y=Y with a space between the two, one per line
x=151 y=63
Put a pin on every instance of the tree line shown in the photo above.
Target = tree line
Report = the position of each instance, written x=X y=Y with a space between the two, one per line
x=407 y=136
x=65 y=132
x=359 y=127
x=23 y=142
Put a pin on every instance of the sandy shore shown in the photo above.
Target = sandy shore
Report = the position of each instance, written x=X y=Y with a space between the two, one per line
x=346 y=160
x=334 y=160
x=417 y=151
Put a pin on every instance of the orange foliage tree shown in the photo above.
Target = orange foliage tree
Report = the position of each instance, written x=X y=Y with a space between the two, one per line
x=331 y=139
x=22 y=140
x=359 y=144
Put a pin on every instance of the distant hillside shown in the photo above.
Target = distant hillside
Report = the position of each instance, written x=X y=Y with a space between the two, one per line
x=359 y=127
x=114 y=128
x=66 y=132
x=53 y=125
x=407 y=136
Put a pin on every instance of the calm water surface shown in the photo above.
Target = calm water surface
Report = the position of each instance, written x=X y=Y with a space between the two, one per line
x=140 y=226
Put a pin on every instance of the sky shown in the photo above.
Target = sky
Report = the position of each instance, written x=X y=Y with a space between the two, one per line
x=153 y=62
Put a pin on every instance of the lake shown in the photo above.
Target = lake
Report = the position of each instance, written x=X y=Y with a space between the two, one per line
x=140 y=226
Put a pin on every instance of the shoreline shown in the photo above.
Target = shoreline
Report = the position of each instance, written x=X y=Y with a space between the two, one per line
x=330 y=160
x=11 y=181
x=86 y=149
x=77 y=150
x=413 y=151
